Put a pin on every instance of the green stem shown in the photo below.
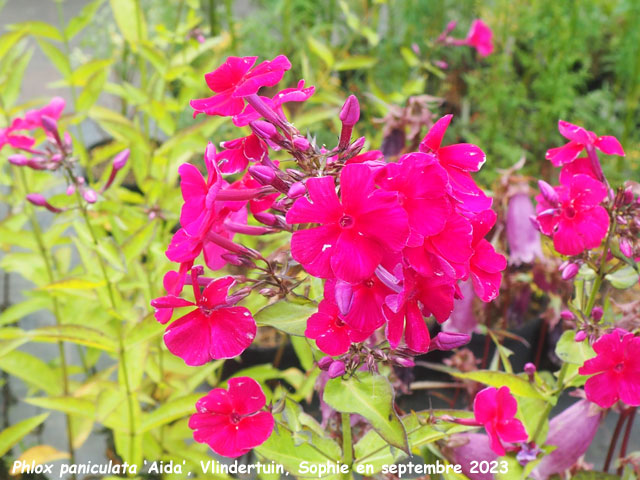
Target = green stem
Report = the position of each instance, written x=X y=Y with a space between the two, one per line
x=347 y=444
x=37 y=233
x=547 y=410
x=122 y=361
x=597 y=283
x=214 y=28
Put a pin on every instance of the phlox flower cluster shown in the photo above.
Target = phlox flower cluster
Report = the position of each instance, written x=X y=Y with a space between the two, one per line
x=391 y=241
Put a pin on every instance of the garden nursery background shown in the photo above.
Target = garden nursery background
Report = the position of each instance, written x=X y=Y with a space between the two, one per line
x=524 y=354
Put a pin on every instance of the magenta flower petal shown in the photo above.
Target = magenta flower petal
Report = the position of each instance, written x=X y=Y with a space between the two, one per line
x=230 y=73
x=416 y=334
x=562 y=155
x=322 y=206
x=246 y=395
x=314 y=247
x=355 y=257
x=609 y=145
x=465 y=156
x=189 y=338
x=433 y=139
x=232 y=331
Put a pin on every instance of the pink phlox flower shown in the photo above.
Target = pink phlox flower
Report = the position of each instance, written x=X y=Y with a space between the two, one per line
x=458 y=160
x=355 y=231
x=236 y=79
x=615 y=370
x=405 y=311
x=203 y=214
x=580 y=139
x=333 y=335
x=240 y=152
x=296 y=94
x=485 y=264
x=232 y=421
x=374 y=159
x=213 y=330
x=173 y=283
x=580 y=165
x=421 y=184
x=360 y=303
x=576 y=222
x=480 y=37
x=33 y=118
x=257 y=204
x=444 y=256
x=495 y=409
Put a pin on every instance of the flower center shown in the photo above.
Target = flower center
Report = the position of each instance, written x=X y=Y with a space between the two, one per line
x=368 y=283
x=570 y=212
x=339 y=322
x=619 y=367
x=235 y=418
x=347 y=221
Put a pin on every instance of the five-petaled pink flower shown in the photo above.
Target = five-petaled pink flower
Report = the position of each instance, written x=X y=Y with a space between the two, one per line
x=495 y=409
x=580 y=139
x=615 y=370
x=572 y=215
x=458 y=160
x=240 y=152
x=480 y=37
x=232 y=421
x=212 y=331
x=31 y=121
x=354 y=233
x=236 y=79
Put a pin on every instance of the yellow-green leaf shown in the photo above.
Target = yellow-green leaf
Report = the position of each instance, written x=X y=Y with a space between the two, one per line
x=13 y=434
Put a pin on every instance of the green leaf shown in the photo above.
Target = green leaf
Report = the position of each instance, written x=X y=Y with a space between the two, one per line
x=72 y=284
x=130 y=20
x=11 y=88
x=288 y=317
x=8 y=40
x=372 y=397
x=20 y=310
x=80 y=21
x=624 y=278
x=321 y=50
x=13 y=434
x=518 y=385
x=39 y=29
x=70 y=405
x=79 y=334
x=571 y=351
x=59 y=59
x=85 y=74
x=356 y=62
x=170 y=411
x=32 y=370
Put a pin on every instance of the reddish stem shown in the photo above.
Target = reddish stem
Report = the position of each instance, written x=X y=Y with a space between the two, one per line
x=614 y=439
x=631 y=413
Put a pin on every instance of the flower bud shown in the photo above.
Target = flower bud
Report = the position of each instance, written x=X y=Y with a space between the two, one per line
x=268 y=292
x=530 y=369
x=263 y=175
x=50 y=125
x=355 y=147
x=39 y=201
x=296 y=190
x=626 y=248
x=570 y=271
x=324 y=363
x=266 y=218
x=68 y=142
x=89 y=195
x=301 y=143
x=71 y=189
x=403 y=361
x=580 y=336
x=350 y=113
x=567 y=315
x=449 y=341
x=597 y=313
x=264 y=129
x=19 y=160
x=628 y=196
x=344 y=296
x=336 y=369
x=548 y=192
x=120 y=160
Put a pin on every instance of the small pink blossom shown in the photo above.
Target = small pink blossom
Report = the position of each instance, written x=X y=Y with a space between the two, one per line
x=213 y=330
x=495 y=409
x=355 y=231
x=580 y=139
x=480 y=37
x=232 y=421
x=236 y=79
x=572 y=215
x=615 y=370
x=240 y=152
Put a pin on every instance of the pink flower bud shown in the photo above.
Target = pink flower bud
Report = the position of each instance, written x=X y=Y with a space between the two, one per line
x=404 y=361
x=350 y=113
x=71 y=189
x=451 y=26
x=233 y=259
x=39 y=201
x=89 y=195
x=336 y=369
x=356 y=146
x=264 y=129
x=50 y=125
x=449 y=341
x=626 y=248
x=120 y=160
x=296 y=190
x=597 y=313
x=301 y=143
x=18 y=160
x=441 y=64
x=324 y=363
x=570 y=271
x=266 y=218
x=344 y=296
x=567 y=315
x=268 y=292
x=580 y=336
x=68 y=142
x=262 y=174
x=548 y=192
x=628 y=196
x=530 y=370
